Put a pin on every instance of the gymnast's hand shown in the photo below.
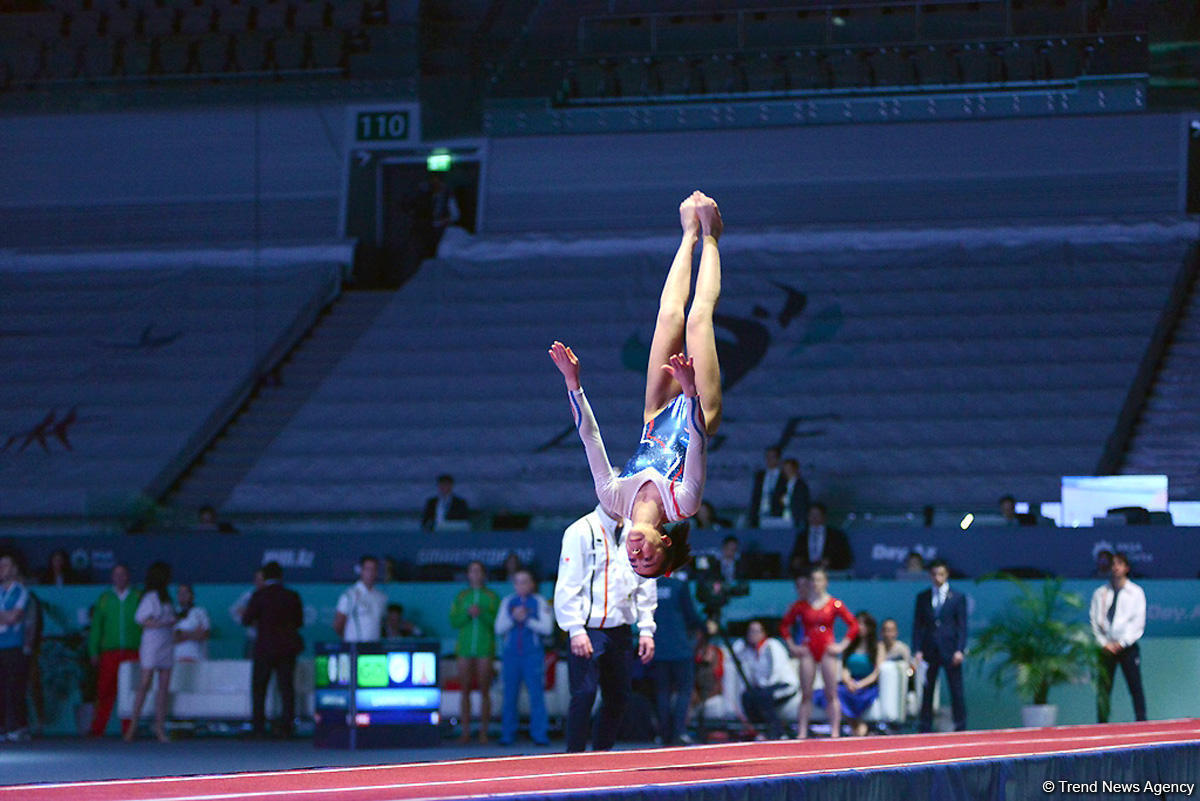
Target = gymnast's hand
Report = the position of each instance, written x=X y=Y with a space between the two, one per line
x=683 y=370
x=711 y=223
x=645 y=649
x=564 y=359
x=687 y=215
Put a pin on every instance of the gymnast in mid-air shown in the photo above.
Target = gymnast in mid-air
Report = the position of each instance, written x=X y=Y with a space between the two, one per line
x=663 y=482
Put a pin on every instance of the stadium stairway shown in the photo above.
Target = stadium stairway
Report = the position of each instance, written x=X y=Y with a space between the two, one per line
x=1166 y=439
x=901 y=367
x=269 y=409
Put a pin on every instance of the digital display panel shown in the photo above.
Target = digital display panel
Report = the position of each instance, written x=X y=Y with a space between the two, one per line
x=396 y=681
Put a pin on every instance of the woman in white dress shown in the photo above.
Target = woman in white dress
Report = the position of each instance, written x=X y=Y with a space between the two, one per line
x=156 y=615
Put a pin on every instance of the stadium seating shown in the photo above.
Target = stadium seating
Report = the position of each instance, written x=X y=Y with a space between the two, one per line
x=115 y=377
x=900 y=373
x=122 y=40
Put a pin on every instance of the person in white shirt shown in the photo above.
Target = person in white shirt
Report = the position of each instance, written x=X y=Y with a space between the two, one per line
x=192 y=627
x=1118 y=616
x=767 y=669
x=597 y=598
x=663 y=482
x=156 y=615
x=360 y=609
x=239 y=608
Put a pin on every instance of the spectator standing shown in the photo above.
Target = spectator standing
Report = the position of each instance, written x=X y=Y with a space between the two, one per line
x=721 y=578
x=473 y=616
x=763 y=488
x=445 y=506
x=940 y=638
x=820 y=545
x=238 y=610
x=278 y=614
x=814 y=614
x=676 y=621
x=113 y=638
x=58 y=572
x=524 y=618
x=791 y=498
x=34 y=623
x=192 y=628
x=359 y=614
x=156 y=652
x=1118 y=617
x=14 y=662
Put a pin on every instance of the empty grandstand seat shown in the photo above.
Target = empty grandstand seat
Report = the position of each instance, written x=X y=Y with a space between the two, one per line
x=82 y=25
x=287 y=51
x=308 y=15
x=233 y=16
x=128 y=367
x=779 y=28
x=326 y=49
x=157 y=21
x=120 y=21
x=62 y=60
x=270 y=15
x=347 y=14
x=97 y=59
x=932 y=372
x=195 y=20
x=250 y=50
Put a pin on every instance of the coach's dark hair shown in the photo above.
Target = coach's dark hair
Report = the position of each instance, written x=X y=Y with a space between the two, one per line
x=272 y=571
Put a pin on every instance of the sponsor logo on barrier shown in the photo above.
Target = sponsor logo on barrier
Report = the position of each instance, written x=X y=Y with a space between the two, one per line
x=1172 y=614
x=489 y=556
x=882 y=552
x=289 y=557
x=1133 y=550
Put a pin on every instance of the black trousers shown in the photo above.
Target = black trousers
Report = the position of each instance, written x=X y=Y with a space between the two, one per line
x=1130 y=660
x=954 y=677
x=14 y=676
x=608 y=670
x=284 y=668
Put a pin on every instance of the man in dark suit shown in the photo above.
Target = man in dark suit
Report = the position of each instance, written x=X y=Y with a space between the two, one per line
x=790 y=499
x=765 y=483
x=820 y=545
x=444 y=506
x=940 y=639
x=278 y=614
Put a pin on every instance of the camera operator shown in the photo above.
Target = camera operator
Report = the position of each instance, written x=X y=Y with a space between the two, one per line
x=720 y=579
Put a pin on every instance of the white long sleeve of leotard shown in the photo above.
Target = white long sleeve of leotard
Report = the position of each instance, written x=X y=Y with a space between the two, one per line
x=681 y=499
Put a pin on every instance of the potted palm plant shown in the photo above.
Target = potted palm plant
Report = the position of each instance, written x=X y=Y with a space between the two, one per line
x=1038 y=642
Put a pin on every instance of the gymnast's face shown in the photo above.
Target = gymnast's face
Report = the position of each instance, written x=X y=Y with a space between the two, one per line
x=647 y=548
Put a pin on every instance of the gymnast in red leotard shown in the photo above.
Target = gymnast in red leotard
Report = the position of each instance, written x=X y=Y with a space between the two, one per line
x=815 y=614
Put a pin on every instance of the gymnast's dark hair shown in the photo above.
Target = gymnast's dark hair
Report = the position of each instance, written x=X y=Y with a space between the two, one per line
x=678 y=553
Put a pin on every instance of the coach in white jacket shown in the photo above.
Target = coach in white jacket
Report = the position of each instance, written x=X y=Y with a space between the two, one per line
x=1118 y=615
x=597 y=598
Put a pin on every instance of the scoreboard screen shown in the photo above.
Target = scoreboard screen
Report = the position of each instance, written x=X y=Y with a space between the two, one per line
x=373 y=684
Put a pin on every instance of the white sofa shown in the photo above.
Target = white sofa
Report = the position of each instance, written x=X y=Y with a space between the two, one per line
x=217 y=689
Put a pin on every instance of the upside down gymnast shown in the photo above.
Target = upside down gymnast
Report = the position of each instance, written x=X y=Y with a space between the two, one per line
x=663 y=482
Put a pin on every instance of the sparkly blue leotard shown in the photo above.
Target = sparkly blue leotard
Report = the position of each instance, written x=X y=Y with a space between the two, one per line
x=664 y=442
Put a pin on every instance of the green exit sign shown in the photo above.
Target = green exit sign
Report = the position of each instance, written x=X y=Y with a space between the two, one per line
x=381 y=126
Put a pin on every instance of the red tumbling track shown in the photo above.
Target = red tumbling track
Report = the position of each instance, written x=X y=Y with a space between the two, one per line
x=551 y=773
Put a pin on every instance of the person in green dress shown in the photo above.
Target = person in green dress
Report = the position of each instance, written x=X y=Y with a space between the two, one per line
x=473 y=616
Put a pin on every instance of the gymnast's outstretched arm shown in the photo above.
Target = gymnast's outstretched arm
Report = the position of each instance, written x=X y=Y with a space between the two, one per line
x=688 y=493
x=603 y=475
